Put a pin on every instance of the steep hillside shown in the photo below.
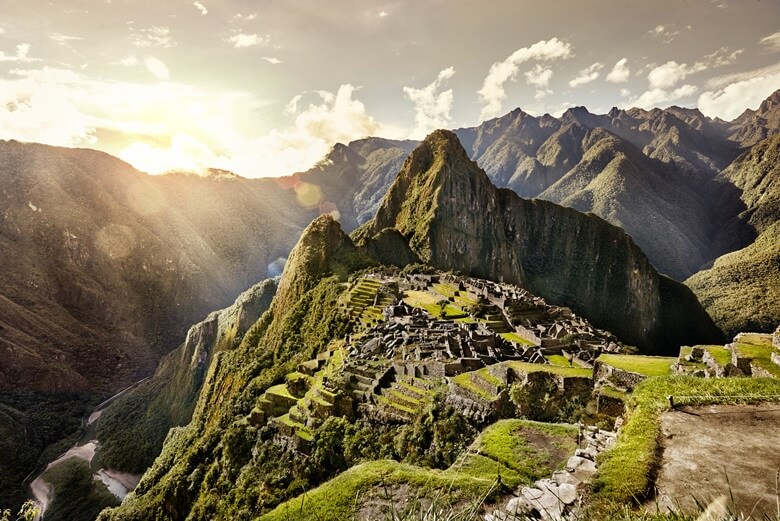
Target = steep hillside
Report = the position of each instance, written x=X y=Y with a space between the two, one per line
x=216 y=445
x=454 y=218
x=741 y=291
x=667 y=218
x=754 y=126
x=351 y=179
x=132 y=429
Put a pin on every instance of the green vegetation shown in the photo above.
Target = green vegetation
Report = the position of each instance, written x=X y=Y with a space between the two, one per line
x=526 y=367
x=558 y=360
x=720 y=354
x=742 y=290
x=760 y=354
x=36 y=426
x=77 y=497
x=644 y=365
x=517 y=451
x=514 y=337
x=626 y=470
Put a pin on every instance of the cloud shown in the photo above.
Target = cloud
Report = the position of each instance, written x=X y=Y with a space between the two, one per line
x=242 y=40
x=625 y=93
x=200 y=7
x=128 y=61
x=587 y=75
x=64 y=40
x=2 y=31
x=493 y=93
x=21 y=56
x=155 y=36
x=771 y=42
x=272 y=60
x=671 y=73
x=382 y=14
x=157 y=68
x=432 y=106
x=244 y=17
x=664 y=33
x=731 y=100
x=620 y=72
x=657 y=96
x=539 y=77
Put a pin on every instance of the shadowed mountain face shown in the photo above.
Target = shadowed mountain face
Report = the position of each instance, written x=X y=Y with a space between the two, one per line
x=742 y=289
x=453 y=217
x=103 y=271
x=105 y=267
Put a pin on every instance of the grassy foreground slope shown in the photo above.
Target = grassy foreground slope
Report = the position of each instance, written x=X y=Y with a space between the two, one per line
x=518 y=451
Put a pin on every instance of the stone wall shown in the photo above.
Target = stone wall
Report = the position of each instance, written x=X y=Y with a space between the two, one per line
x=619 y=378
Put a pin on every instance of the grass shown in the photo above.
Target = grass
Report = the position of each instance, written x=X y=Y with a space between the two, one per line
x=429 y=302
x=558 y=360
x=526 y=367
x=464 y=380
x=721 y=355
x=281 y=390
x=506 y=442
x=514 y=337
x=761 y=355
x=625 y=471
x=423 y=393
x=518 y=451
x=611 y=392
x=644 y=365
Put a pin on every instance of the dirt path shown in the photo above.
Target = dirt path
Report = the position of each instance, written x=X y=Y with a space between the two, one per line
x=720 y=450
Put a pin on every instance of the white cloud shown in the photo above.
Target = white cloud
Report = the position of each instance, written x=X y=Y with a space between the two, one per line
x=200 y=7
x=620 y=72
x=657 y=96
x=292 y=106
x=625 y=93
x=244 y=17
x=771 y=42
x=587 y=75
x=155 y=36
x=2 y=31
x=731 y=100
x=539 y=76
x=493 y=93
x=157 y=68
x=272 y=60
x=63 y=39
x=22 y=55
x=664 y=33
x=382 y=14
x=242 y=40
x=432 y=106
x=128 y=61
x=671 y=73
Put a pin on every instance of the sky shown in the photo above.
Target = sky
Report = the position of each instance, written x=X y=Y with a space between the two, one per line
x=265 y=88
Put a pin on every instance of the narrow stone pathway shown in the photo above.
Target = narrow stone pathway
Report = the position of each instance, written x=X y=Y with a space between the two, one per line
x=557 y=497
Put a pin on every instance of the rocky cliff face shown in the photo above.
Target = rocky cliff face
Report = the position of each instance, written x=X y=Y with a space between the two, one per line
x=454 y=218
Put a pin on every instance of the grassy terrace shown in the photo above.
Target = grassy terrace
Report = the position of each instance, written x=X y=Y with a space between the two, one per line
x=514 y=337
x=625 y=470
x=644 y=365
x=519 y=451
x=761 y=355
x=554 y=369
x=429 y=302
x=464 y=380
x=721 y=355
